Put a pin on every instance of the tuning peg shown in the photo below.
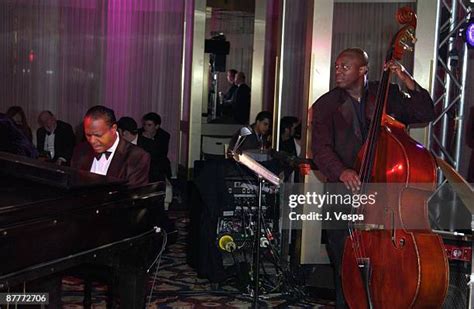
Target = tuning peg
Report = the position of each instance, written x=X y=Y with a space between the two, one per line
x=406 y=46
x=411 y=34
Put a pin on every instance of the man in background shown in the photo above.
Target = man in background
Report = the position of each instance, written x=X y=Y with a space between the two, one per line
x=241 y=100
x=231 y=79
x=152 y=129
x=287 y=133
x=55 y=139
x=128 y=130
x=258 y=139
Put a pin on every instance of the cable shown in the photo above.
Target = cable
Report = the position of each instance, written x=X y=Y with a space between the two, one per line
x=158 y=261
x=286 y=279
x=163 y=245
x=235 y=294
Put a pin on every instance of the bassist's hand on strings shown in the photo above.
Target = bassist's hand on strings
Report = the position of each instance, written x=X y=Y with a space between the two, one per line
x=351 y=180
x=401 y=73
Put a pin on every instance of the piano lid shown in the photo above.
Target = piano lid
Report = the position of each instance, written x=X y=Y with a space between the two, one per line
x=62 y=177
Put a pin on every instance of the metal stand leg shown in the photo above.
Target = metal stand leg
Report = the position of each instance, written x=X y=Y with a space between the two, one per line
x=256 y=260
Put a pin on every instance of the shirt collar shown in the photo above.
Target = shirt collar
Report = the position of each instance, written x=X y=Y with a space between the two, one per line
x=364 y=93
x=52 y=131
x=114 y=146
x=259 y=136
x=135 y=140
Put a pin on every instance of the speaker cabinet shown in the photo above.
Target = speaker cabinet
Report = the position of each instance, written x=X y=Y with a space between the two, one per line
x=459 y=255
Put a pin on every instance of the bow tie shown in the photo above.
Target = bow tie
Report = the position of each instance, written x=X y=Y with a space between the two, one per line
x=106 y=153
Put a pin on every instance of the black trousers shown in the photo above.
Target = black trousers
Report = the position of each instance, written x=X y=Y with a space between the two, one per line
x=335 y=247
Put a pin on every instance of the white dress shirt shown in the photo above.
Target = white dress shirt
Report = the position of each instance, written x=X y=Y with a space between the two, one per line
x=49 y=144
x=101 y=166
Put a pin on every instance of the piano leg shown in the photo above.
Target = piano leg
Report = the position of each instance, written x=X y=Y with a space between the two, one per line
x=51 y=285
x=87 y=294
x=132 y=282
x=130 y=277
x=126 y=284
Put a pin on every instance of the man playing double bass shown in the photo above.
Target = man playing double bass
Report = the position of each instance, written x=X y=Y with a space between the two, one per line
x=340 y=124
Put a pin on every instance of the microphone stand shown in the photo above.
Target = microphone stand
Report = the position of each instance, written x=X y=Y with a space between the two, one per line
x=263 y=174
x=256 y=259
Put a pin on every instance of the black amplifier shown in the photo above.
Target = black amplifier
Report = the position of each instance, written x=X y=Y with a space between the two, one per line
x=237 y=220
x=242 y=195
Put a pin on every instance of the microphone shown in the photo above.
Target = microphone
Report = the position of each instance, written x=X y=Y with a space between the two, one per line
x=226 y=243
x=244 y=132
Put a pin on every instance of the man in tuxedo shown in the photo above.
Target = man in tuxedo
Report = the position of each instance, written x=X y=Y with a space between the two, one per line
x=128 y=130
x=105 y=153
x=55 y=139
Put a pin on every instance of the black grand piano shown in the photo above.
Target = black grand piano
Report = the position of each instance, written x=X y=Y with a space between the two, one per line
x=55 y=220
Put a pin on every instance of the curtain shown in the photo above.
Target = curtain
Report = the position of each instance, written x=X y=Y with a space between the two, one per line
x=272 y=39
x=125 y=54
x=77 y=50
x=369 y=26
x=294 y=49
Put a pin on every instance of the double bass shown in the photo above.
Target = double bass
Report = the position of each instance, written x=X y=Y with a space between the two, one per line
x=399 y=263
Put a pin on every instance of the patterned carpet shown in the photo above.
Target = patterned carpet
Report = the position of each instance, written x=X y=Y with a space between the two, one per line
x=177 y=286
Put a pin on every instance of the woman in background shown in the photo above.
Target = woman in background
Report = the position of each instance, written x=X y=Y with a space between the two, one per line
x=17 y=114
x=12 y=140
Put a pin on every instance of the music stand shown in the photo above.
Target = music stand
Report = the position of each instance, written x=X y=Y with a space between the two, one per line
x=262 y=174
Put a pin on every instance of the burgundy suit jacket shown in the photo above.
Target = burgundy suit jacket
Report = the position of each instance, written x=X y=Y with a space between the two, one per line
x=336 y=136
x=130 y=162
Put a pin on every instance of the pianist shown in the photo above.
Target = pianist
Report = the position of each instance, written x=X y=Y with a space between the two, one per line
x=105 y=153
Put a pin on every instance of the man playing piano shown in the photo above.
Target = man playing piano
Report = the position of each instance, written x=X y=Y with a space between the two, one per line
x=105 y=153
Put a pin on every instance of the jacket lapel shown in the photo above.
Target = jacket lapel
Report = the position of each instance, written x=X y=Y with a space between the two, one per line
x=118 y=159
x=370 y=103
x=86 y=158
x=349 y=114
